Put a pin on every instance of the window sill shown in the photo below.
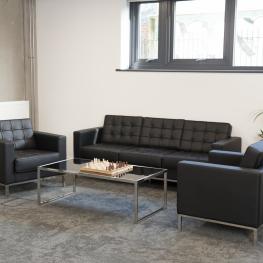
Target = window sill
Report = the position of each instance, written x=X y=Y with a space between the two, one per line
x=234 y=70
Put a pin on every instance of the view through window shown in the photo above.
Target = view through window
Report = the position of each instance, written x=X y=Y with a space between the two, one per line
x=148 y=30
x=249 y=33
x=199 y=29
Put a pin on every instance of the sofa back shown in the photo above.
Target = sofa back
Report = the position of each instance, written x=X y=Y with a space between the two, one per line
x=198 y=136
x=177 y=134
x=165 y=133
x=19 y=132
x=121 y=130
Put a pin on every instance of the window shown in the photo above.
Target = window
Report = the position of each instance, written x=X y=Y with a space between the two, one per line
x=148 y=31
x=197 y=35
x=249 y=33
x=199 y=29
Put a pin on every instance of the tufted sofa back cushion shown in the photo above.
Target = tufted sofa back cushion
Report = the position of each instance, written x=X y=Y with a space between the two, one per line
x=164 y=133
x=198 y=136
x=121 y=129
x=19 y=132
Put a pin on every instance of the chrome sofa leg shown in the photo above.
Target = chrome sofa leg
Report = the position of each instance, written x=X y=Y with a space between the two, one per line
x=254 y=236
x=6 y=190
x=180 y=223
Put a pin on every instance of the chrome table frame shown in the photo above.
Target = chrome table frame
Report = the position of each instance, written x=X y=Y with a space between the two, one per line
x=123 y=179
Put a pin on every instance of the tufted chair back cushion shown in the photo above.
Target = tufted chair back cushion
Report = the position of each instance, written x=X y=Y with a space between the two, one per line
x=121 y=130
x=198 y=136
x=19 y=132
x=164 y=133
x=253 y=157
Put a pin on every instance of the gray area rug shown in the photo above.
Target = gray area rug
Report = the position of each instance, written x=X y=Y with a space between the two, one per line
x=95 y=226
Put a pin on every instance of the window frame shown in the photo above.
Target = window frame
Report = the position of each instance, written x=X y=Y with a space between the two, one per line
x=165 y=59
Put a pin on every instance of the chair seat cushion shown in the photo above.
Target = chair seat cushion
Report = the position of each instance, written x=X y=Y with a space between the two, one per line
x=103 y=151
x=171 y=160
x=144 y=156
x=28 y=160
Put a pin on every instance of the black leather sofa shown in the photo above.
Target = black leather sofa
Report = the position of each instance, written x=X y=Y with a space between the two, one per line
x=227 y=190
x=154 y=141
x=22 y=150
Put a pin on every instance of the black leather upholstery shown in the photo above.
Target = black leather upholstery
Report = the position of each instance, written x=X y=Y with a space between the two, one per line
x=121 y=130
x=143 y=156
x=7 y=157
x=199 y=136
x=102 y=151
x=28 y=160
x=229 y=144
x=154 y=141
x=19 y=132
x=84 y=138
x=22 y=150
x=253 y=157
x=219 y=192
x=171 y=160
x=165 y=133
x=225 y=157
x=224 y=192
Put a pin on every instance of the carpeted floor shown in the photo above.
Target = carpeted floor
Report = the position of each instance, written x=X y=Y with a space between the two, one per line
x=95 y=226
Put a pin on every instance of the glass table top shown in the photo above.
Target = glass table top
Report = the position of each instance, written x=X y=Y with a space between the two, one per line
x=74 y=165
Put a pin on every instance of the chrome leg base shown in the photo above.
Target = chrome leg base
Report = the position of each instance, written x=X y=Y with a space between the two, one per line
x=254 y=236
x=63 y=181
x=180 y=223
x=253 y=231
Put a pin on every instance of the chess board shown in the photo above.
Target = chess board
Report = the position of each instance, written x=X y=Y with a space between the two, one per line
x=104 y=167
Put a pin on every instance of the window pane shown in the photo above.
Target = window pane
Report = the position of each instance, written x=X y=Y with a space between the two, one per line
x=199 y=29
x=249 y=33
x=148 y=31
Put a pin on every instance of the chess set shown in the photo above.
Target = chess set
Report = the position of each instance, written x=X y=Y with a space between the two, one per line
x=104 y=167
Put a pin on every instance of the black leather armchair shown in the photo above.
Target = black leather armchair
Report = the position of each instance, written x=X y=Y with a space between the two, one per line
x=22 y=150
x=227 y=190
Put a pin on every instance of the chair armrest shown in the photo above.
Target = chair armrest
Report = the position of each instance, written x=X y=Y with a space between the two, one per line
x=7 y=157
x=219 y=192
x=51 y=142
x=231 y=144
x=225 y=157
x=84 y=138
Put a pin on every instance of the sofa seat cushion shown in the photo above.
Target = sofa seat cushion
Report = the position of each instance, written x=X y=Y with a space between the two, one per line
x=171 y=160
x=28 y=160
x=144 y=156
x=102 y=151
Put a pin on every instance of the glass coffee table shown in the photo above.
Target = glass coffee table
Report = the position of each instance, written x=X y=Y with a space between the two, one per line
x=72 y=168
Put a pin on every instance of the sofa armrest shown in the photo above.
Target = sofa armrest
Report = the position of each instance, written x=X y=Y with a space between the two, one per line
x=84 y=138
x=219 y=192
x=51 y=142
x=225 y=157
x=7 y=157
x=231 y=144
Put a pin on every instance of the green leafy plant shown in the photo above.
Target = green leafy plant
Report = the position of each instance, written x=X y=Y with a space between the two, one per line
x=256 y=116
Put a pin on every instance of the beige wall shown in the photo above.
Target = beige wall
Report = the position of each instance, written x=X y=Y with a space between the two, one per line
x=12 y=78
x=78 y=52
